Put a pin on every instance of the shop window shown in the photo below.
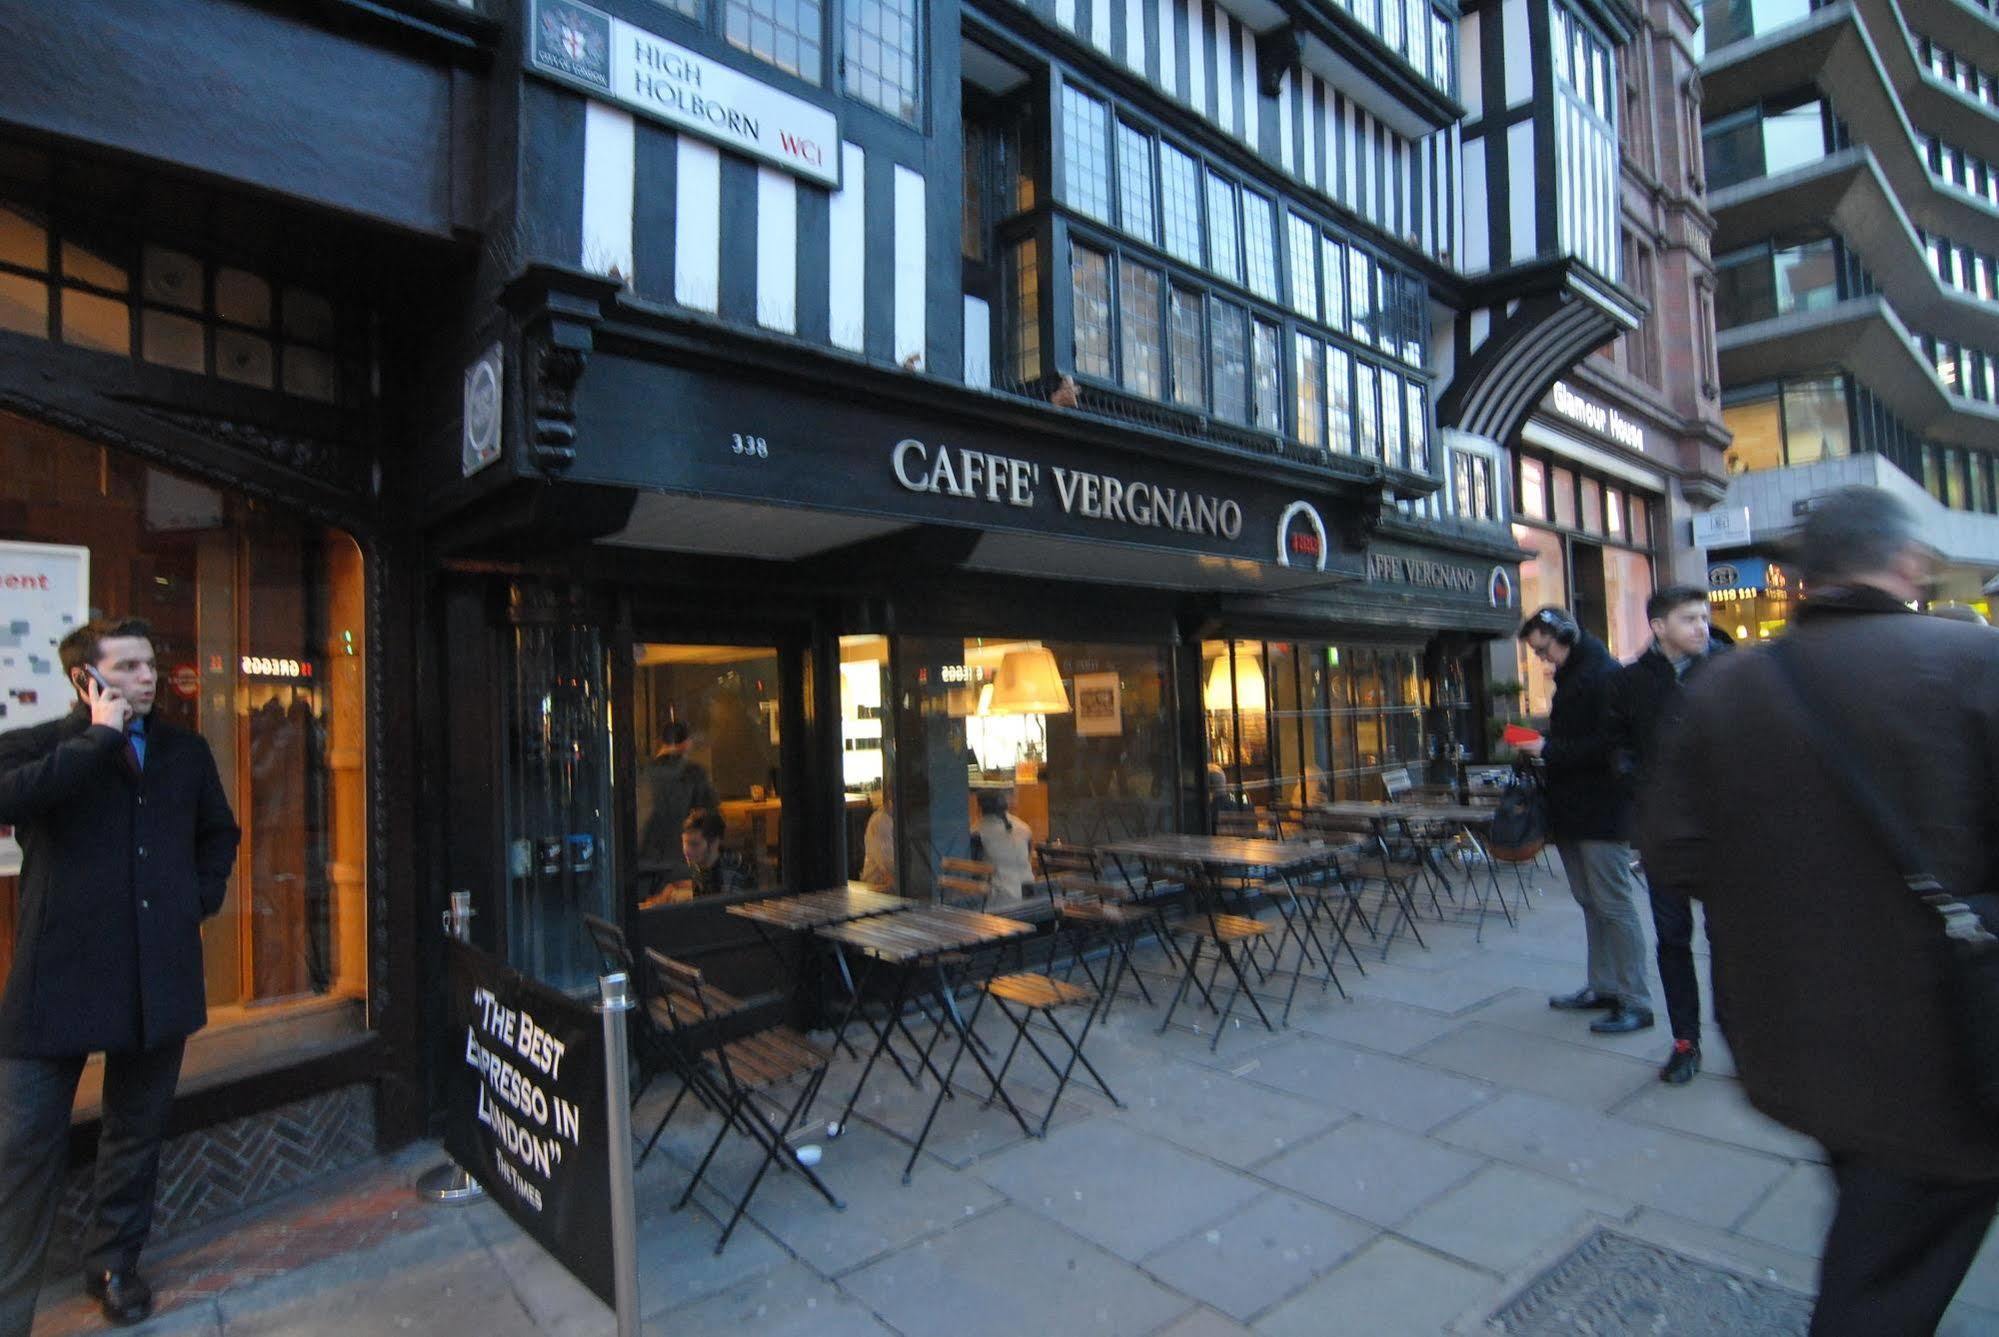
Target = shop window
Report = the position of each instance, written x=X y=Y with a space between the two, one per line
x=882 y=59
x=1072 y=741
x=1592 y=516
x=1544 y=581
x=785 y=33
x=1533 y=499
x=261 y=633
x=710 y=731
x=1562 y=486
x=1627 y=584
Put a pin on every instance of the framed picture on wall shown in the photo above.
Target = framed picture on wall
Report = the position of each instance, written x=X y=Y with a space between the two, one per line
x=1099 y=709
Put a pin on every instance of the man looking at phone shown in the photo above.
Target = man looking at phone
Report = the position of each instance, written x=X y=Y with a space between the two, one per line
x=126 y=841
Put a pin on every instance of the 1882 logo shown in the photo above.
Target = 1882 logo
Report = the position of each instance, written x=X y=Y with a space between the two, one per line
x=1301 y=537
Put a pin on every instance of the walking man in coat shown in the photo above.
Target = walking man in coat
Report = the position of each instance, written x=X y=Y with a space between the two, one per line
x=1587 y=817
x=1833 y=971
x=126 y=843
x=1643 y=694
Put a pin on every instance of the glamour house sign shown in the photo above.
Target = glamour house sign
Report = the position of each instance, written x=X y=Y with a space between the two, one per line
x=664 y=80
x=1599 y=418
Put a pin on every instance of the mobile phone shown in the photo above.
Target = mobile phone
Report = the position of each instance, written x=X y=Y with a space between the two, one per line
x=95 y=677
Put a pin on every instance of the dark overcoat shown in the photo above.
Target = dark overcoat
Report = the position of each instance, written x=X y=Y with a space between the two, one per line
x=1833 y=971
x=118 y=871
x=1585 y=801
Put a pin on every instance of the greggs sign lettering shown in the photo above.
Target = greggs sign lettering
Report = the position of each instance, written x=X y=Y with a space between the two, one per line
x=650 y=75
x=1002 y=480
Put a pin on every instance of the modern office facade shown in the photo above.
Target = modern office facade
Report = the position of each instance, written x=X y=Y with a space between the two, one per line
x=1094 y=400
x=1851 y=153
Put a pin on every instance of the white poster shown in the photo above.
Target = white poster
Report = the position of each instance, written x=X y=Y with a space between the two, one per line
x=44 y=595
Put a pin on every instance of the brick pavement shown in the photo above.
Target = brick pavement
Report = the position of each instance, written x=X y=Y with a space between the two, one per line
x=1401 y=1163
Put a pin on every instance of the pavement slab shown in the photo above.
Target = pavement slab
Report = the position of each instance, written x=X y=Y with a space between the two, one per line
x=1795 y=1214
x=1704 y=1181
x=1369 y=1170
x=1503 y=1217
x=1009 y=1273
x=1248 y=1261
x=1219 y=1115
x=789 y=1301
x=1380 y=1086
x=1372 y=1023
x=1526 y=1061
x=1118 y=1187
x=1389 y=1287
x=1715 y=1107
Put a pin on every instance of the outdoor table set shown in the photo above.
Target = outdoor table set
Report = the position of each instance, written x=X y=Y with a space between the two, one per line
x=1429 y=829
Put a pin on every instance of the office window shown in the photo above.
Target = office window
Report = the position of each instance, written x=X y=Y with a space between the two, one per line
x=1224 y=257
x=1367 y=411
x=1134 y=157
x=1311 y=390
x=1815 y=421
x=1302 y=240
x=1180 y=204
x=1339 y=401
x=1139 y=335
x=1090 y=277
x=1189 y=349
x=1086 y=163
x=1259 y=234
x=786 y=33
x=1333 y=273
x=882 y=59
x=1231 y=360
x=1266 y=380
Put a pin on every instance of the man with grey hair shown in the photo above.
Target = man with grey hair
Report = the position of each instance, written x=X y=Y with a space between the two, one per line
x=1838 y=1010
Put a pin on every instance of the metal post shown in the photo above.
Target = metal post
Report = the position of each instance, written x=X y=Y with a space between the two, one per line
x=616 y=1002
x=449 y=1182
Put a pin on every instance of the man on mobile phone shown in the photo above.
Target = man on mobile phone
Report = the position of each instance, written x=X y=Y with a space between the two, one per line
x=126 y=843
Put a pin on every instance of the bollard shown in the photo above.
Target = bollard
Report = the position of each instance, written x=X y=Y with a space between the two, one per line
x=616 y=994
x=449 y=1182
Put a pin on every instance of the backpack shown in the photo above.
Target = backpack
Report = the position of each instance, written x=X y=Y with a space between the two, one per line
x=1520 y=822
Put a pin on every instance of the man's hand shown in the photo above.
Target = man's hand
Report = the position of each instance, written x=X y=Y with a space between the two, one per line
x=108 y=705
x=670 y=894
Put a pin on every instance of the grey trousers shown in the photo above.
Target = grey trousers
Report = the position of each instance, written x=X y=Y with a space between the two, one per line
x=35 y=1097
x=1600 y=878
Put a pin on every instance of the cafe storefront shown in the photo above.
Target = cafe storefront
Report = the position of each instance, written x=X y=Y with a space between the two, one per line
x=890 y=620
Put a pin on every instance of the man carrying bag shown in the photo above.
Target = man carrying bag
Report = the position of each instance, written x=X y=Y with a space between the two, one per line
x=1800 y=784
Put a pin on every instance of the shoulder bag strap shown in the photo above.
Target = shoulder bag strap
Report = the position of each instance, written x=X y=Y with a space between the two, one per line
x=1960 y=921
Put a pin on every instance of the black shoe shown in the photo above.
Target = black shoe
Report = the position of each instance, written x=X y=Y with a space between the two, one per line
x=1623 y=1019
x=124 y=1296
x=1582 y=1000
x=1682 y=1064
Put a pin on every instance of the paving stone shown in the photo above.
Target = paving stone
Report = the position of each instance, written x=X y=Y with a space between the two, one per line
x=1118 y=1187
x=790 y=1301
x=1504 y=1216
x=1369 y=1170
x=1981 y=1284
x=1448 y=993
x=1217 y=1114
x=1379 y=1086
x=676 y=1255
x=1247 y=1262
x=1371 y=1023
x=1528 y=1010
x=1537 y=1063
x=471 y=1294
x=966 y=1128
x=1704 y=1181
x=1796 y=1213
x=1203 y=1322
x=1388 y=1287
x=1963 y=1320
x=1763 y=1261
x=1715 y=1107
x=1009 y=1273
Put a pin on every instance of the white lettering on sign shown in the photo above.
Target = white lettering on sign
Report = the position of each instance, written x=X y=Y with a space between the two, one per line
x=1598 y=418
x=1388 y=567
x=1002 y=480
x=648 y=74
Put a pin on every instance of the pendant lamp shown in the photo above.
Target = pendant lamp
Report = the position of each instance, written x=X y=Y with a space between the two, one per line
x=1249 y=691
x=1029 y=683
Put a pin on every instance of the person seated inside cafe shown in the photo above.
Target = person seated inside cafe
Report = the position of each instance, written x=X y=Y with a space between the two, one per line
x=712 y=870
x=1005 y=842
x=878 y=843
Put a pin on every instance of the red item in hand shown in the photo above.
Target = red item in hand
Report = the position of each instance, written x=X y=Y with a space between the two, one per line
x=1516 y=734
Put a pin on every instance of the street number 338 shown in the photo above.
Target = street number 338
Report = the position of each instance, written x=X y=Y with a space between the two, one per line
x=753 y=446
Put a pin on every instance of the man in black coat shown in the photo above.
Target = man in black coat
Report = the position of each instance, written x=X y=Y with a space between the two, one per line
x=1642 y=696
x=1587 y=820
x=1839 y=1013
x=126 y=841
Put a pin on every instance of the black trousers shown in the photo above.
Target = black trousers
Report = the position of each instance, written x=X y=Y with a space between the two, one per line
x=35 y=1099
x=1897 y=1251
x=1673 y=930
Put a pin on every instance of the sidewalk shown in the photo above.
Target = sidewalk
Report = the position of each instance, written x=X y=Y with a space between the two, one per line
x=1440 y=1149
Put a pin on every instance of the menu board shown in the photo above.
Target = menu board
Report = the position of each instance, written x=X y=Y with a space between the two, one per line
x=44 y=595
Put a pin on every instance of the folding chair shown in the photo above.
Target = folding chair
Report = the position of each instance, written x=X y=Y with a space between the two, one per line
x=1102 y=909
x=739 y=1071
x=1207 y=926
x=964 y=883
x=1024 y=996
x=652 y=1047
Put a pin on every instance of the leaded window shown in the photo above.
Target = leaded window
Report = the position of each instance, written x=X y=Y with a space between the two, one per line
x=1339 y=401
x=1367 y=429
x=1259 y=244
x=1139 y=329
x=1086 y=164
x=1134 y=157
x=786 y=33
x=1024 y=312
x=1311 y=390
x=1302 y=239
x=1224 y=256
x=1190 y=349
x=1090 y=280
x=1180 y=204
x=1266 y=377
x=1231 y=360
x=881 y=63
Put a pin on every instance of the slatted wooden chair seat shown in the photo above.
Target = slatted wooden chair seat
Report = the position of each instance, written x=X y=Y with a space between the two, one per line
x=1221 y=928
x=1021 y=998
x=767 y=1058
x=1031 y=990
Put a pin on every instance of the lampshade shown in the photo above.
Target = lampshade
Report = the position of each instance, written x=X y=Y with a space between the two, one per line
x=1249 y=694
x=1029 y=683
